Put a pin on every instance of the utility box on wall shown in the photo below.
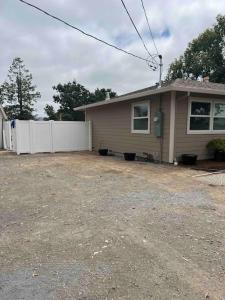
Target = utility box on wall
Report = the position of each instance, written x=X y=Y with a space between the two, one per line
x=158 y=124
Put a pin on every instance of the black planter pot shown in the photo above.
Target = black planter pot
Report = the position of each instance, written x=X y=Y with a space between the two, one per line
x=129 y=156
x=189 y=159
x=103 y=152
x=219 y=156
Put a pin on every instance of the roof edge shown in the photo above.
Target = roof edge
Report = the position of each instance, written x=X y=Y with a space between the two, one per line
x=164 y=89
x=124 y=98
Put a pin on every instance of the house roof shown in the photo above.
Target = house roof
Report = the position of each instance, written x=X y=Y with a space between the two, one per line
x=182 y=85
x=3 y=112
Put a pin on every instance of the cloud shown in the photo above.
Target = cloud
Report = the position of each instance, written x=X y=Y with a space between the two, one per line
x=55 y=53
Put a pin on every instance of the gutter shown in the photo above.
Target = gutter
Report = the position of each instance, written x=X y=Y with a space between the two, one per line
x=198 y=90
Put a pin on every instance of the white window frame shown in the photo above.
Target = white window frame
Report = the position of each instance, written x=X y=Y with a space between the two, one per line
x=213 y=115
x=210 y=116
x=147 y=131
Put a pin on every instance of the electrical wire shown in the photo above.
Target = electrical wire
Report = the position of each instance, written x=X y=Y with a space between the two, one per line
x=149 y=27
x=87 y=34
x=135 y=27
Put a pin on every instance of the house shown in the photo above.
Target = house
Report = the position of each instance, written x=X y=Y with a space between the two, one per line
x=178 y=118
x=2 y=117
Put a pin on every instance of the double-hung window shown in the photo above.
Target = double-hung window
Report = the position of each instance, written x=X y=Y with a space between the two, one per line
x=206 y=116
x=140 y=118
x=219 y=116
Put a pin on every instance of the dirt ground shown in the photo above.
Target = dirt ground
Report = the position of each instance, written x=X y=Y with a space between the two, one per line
x=80 y=226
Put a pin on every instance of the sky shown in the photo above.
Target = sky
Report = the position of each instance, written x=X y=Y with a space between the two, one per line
x=55 y=53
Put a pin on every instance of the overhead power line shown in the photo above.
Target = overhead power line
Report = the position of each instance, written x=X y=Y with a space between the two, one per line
x=149 y=27
x=87 y=34
x=135 y=27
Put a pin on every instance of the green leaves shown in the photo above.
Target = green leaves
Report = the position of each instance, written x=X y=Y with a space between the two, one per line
x=216 y=145
x=17 y=93
x=204 y=56
x=50 y=112
x=71 y=95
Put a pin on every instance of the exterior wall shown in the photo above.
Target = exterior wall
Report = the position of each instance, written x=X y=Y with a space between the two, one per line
x=1 y=130
x=111 y=125
x=190 y=143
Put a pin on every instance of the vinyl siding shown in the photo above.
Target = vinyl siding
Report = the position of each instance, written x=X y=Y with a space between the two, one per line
x=111 y=128
x=190 y=143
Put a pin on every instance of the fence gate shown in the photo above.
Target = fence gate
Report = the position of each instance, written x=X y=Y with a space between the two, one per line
x=50 y=136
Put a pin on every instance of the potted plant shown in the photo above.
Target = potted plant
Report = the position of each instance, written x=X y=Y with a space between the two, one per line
x=217 y=147
x=189 y=159
x=102 y=150
x=129 y=156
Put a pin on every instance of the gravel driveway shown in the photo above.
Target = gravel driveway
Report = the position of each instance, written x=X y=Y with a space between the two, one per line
x=80 y=226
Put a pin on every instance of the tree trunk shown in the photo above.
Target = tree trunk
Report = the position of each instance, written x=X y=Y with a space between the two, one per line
x=19 y=94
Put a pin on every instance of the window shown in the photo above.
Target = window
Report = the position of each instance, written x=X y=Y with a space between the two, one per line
x=219 y=116
x=200 y=115
x=206 y=116
x=140 y=117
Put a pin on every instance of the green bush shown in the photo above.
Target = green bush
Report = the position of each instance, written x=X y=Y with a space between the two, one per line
x=217 y=145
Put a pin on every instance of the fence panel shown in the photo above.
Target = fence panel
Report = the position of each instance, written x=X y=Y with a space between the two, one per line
x=52 y=136
x=75 y=136
x=41 y=136
x=22 y=134
x=7 y=135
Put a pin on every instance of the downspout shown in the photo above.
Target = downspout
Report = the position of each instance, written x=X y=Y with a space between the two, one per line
x=161 y=137
x=188 y=96
x=172 y=126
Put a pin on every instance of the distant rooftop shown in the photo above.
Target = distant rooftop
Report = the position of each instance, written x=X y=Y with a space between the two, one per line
x=179 y=82
x=197 y=84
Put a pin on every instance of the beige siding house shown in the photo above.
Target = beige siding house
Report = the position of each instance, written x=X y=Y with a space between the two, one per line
x=190 y=113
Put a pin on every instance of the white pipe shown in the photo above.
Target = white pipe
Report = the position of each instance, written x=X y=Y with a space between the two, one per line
x=107 y=97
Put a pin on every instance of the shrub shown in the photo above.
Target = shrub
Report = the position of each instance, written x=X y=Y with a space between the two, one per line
x=217 y=145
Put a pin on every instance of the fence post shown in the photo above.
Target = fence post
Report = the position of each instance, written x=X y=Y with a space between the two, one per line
x=51 y=124
x=4 y=144
x=17 y=132
x=31 y=135
x=89 y=136
x=10 y=134
x=7 y=135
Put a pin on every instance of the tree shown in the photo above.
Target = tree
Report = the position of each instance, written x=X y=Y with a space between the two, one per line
x=50 y=112
x=17 y=93
x=204 y=56
x=100 y=94
x=71 y=95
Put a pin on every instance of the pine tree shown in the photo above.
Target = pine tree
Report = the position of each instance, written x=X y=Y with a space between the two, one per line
x=17 y=93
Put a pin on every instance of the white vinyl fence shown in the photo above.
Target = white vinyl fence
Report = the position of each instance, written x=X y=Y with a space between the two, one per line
x=7 y=135
x=47 y=136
